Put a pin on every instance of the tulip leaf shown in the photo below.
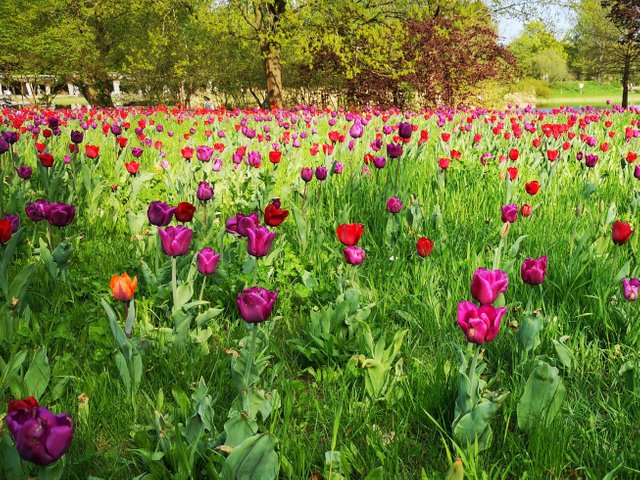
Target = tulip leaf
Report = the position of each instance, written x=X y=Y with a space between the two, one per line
x=474 y=426
x=238 y=429
x=624 y=272
x=10 y=465
x=51 y=472
x=7 y=255
x=543 y=395
x=529 y=334
x=20 y=283
x=611 y=214
x=564 y=354
x=37 y=377
x=253 y=459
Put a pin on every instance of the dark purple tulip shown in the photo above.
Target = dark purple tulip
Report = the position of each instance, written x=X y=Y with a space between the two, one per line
x=591 y=160
x=77 y=137
x=137 y=152
x=307 y=174
x=14 y=220
x=240 y=224
x=321 y=173
x=24 y=172
x=54 y=122
x=10 y=137
x=59 y=214
x=160 y=214
x=40 y=436
x=204 y=192
x=36 y=211
x=394 y=150
x=579 y=156
x=4 y=145
x=636 y=172
x=207 y=261
x=394 y=205
x=259 y=241
x=533 y=270
x=175 y=240
x=379 y=162
x=116 y=130
x=405 y=130
x=256 y=304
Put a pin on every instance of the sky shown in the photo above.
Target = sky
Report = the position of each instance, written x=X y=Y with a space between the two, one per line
x=559 y=20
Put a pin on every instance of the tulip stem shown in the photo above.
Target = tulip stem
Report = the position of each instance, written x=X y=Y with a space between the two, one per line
x=204 y=282
x=474 y=362
x=174 y=282
x=248 y=367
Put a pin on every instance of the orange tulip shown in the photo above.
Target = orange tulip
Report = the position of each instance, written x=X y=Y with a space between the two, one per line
x=123 y=287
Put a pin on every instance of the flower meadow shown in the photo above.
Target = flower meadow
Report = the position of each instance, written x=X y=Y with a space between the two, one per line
x=315 y=294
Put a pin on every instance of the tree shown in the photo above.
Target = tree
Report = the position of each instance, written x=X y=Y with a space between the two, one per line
x=534 y=48
x=625 y=15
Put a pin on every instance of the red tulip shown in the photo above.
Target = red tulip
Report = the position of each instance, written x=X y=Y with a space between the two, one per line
x=621 y=232
x=92 y=151
x=184 y=212
x=532 y=187
x=513 y=173
x=424 y=246
x=514 y=154
x=525 y=210
x=349 y=233
x=275 y=156
x=5 y=230
x=273 y=214
x=552 y=155
x=132 y=167
x=46 y=159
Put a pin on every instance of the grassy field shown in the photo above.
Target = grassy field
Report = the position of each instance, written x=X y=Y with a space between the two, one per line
x=357 y=370
x=593 y=94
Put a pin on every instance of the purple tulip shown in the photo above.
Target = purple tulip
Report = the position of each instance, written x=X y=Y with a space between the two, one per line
x=307 y=174
x=379 y=162
x=321 y=173
x=394 y=205
x=394 y=150
x=479 y=324
x=356 y=129
x=4 y=145
x=259 y=241
x=636 y=172
x=510 y=213
x=59 y=214
x=204 y=192
x=136 y=152
x=217 y=165
x=630 y=288
x=354 y=255
x=24 y=172
x=240 y=224
x=387 y=129
x=204 y=153
x=487 y=285
x=591 y=160
x=116 y=130
x=338 y=167
x=405 y=130
x=175 y=240
x=534 y=270
x=40 y=436
x=160 y=214
x=207 y=261
x=10 y=137
x=256 y=304
x=36 y=211
x=53 y=122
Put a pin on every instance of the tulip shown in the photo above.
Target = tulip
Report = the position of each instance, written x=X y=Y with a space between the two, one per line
x=349 y=233
x=25 y=172
x=394 y=150
x=204 y=153
x=160 y=214
x=307 y=174
x=510 y=213
x=175 y=240
x=207 y=261
x=621 y=232
x=40 y=436
x=424 y=246
x=59 y=214
x=204 y=192
x=259 y=241
x=4 y=145
x=273 y=214
x=636 y=172
x=77 y=136
x=240 y=224
x=356 y=130
x=487 y=285
x=379 y=162
x=5 y=231
x=36 y=211
x=14 y=220
x=479 y=324
x=534 y=270
x=405 y=130
x=321 y=173
x=394 y=205
x=525 y=210
x=354 y=255
x=10 y=137
x=123 y=287
x=630 y=288
x=137 y=152
x=92 y=151
x=591 y=160
x=46 y=159
x=132 y=167
x=256 y=304
x=184 y=212
x=532 y=187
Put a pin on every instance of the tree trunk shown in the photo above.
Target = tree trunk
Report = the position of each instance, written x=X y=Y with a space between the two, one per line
x=97 y=91
x=626 y=73
x=273 y=71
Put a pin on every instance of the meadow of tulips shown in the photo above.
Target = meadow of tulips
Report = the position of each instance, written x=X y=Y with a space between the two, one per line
x=309 y=294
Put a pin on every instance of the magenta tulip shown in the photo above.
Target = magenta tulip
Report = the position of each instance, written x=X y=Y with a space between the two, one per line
x=479 y=324
x=256 y=304
x=534 y=270
x=487 y=285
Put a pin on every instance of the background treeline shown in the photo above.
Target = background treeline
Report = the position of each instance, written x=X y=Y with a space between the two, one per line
x=320 y=52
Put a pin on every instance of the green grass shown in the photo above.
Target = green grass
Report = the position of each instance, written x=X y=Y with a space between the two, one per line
x=593 y=94
x=324 y=401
